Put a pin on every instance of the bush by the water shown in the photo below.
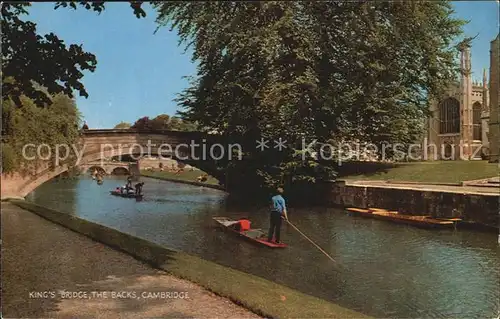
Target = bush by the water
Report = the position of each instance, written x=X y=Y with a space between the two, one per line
x=56 y=123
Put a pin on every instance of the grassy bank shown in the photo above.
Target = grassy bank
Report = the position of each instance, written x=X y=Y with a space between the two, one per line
x=261 y=296
x=432 y=171
x=188 y=176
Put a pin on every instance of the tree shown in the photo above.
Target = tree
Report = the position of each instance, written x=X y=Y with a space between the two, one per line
x=164 y=122
x=179 y=124
x=144 y=123
x=29 y=58
x=161 y=122
x=56 y=124
x=123 y=125
x=317 y=70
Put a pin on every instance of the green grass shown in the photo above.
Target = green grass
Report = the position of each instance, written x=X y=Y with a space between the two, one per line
x=264 y=297
x=190 y=176
x=432 y=171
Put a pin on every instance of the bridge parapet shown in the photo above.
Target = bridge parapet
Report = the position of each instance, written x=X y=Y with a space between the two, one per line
x=122 y=142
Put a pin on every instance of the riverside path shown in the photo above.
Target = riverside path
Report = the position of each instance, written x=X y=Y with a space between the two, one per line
x=39 y=257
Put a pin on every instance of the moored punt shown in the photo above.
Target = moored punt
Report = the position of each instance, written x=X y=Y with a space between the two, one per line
x=419 y=221
x=254 y=235
x=382 y=211
x=357 y=211
x=450 y=219
x=377 y=209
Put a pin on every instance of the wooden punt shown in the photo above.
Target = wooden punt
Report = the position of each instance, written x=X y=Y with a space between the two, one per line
x=126 y=195
x=377 y=209
x=418 y=221
x=357 y=211
x=257 y=236
x=381 y=211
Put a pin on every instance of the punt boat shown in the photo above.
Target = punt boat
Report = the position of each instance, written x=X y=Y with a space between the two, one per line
x=257 y=236
x=126 y=195
x=393 y=216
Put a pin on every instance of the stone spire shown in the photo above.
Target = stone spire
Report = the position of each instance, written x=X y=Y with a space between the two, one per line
x=465 y=100
x=486 y=96
x=465 y=64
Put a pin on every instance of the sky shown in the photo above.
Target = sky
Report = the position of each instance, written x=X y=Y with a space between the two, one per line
x=140 y=73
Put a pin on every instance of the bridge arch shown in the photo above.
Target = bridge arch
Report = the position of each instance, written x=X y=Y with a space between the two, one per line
x=99 y=170
x=120 y=171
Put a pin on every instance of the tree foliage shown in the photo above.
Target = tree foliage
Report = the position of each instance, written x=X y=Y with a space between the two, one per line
x=29 y=58
x=123 y=125
x=164 y=122
x=324 y=70
x=56 y=124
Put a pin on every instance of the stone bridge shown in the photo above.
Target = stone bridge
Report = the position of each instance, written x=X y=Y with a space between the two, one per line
x=207 y=152
x=108 y=168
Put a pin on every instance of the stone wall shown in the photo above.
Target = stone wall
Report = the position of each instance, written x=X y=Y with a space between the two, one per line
x=134 y=169
x=494 y=90
x=10 y=185
x=482 y=209
x=16 y=185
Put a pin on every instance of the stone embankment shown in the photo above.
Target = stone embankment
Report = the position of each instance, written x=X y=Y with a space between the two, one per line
x=475 y=204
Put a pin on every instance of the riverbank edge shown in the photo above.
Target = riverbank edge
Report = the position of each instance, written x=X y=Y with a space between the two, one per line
x=261 y=296
x=339 y=196
x=174 y=180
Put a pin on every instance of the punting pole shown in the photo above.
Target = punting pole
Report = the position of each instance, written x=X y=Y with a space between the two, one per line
x=312 y=242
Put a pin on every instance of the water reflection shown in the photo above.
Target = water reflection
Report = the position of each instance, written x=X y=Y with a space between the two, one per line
x=382 y=269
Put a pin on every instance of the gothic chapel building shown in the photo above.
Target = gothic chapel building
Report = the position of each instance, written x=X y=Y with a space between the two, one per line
x=465 y=121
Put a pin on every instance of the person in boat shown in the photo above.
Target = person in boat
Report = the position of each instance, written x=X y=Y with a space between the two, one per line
x=129 y=183
x=278 y=212
x=138 y=188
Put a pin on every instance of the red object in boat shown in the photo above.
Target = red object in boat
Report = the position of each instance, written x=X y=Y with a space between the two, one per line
x=244 y=224
x=253 y=235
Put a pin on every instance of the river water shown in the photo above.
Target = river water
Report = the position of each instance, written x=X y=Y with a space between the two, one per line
x=382 y=269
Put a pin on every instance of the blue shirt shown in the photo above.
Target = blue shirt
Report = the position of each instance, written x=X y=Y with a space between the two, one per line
x=278 y=203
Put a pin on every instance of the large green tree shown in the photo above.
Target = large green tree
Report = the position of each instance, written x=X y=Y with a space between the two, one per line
x=324 y=70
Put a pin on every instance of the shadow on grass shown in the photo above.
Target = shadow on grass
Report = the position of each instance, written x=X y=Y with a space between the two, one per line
x=185 y=177
x=353 y=169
